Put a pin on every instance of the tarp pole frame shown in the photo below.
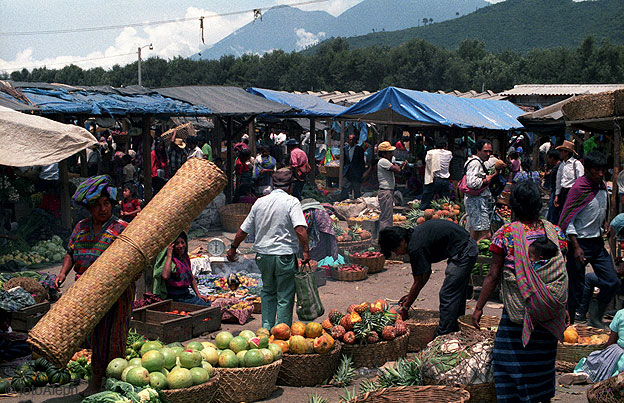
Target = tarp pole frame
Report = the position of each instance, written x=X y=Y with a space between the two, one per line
x=342 y=140
x=251 y=131
x=617 y=136
x=66 y=220
x=312 y=151
x=84 y=172
x=148 y=191
x=228 y=160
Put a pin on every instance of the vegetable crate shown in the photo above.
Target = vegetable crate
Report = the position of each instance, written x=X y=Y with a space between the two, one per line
x=204 y=319
x=166 y=327
x=26 y=318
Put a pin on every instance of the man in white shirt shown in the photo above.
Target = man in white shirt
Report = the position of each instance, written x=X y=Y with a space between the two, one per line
x=385 y=174
x=477 y=178
x=569 y=170
x=194 y=150
x=279 y=225
x=583 y=219
x=437 y=162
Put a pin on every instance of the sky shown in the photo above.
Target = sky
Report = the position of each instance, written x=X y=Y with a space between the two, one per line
x=19 y=19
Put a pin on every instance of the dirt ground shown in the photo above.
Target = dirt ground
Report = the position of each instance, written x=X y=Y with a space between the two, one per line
x=391 y=284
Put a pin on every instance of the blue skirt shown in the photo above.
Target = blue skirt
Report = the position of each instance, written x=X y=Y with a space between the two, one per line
x=523 y=374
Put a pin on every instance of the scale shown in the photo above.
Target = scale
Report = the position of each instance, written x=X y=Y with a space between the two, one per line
x=216 y=247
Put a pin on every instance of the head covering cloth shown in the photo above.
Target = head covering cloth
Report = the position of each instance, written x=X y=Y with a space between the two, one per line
x=93 y=188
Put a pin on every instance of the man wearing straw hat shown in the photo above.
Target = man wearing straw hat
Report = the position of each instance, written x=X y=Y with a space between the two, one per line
x=385 y=174
x=280 y=227
x=569 y=171
x=176 y=153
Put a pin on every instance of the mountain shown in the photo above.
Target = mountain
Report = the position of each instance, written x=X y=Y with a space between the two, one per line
x=290 y=28
x=518 y=25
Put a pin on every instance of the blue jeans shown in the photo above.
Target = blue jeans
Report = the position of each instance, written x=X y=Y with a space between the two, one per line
x=553 y=212
x=600 y=260
x=439 y=186
x=190 y=299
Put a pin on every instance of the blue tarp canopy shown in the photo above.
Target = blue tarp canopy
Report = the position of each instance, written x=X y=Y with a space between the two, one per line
x=307 y=105
x=106 y=101
x=416 y=108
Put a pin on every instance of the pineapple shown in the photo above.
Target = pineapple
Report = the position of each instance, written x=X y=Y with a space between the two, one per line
x=335 y=316
x=406 y=373
x=388 y=333
x=367 y=386
x=400 y=327
x=345 y=373
x=316 y=398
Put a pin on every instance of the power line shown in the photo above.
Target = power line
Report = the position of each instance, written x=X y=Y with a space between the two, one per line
x=67 y=63
x=145 y=24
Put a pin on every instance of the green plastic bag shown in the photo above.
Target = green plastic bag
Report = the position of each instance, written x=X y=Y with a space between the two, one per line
x=309 y=305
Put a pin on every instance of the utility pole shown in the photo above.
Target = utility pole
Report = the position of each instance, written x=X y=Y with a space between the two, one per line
x=139 y=53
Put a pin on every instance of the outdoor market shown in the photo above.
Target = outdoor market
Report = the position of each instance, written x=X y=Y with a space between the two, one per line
x=216 y=243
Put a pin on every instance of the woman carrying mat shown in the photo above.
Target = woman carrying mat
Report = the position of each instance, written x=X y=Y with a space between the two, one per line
x=173 y=275
x=534 y=298
x=90 y=238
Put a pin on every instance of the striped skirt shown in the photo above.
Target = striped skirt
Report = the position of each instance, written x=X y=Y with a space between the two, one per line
x=523 y=374
x=108 y=339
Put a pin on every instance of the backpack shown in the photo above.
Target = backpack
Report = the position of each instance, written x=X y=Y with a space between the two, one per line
x=463 y=184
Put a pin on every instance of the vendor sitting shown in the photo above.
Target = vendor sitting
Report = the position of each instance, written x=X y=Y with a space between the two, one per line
x=173 y=275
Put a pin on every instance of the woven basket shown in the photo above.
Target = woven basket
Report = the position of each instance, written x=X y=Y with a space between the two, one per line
x=182 y=132
x=415 y=394
x=332 y=171
x=377 y=354
x=486 y=323
x=572 y=353
x=296 y=368
x=606 y=391
x=349 y=275
x=63 y=329
x=593 y=106
x=422 y=325
x=233 y=215
x=205 y=392
x=374 y=264
x=485 y=392
x=346 y=248
x=246 y=384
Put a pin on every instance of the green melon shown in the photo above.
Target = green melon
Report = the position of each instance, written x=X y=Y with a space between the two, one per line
x=153 y=361
x=135 y=362
x=158 y=380
x=211 y=355
x=267 y=354
x=194 y=345
x=125 y=372
x=206 y=365
x=150 y=345
x=228 y=359
x=179 y=379
x=190 y=359
x=247 y=334
x=264 y=342
x=223 y=340
x=199 y=376
x=241 y=356
x=165 y=372
x=177 y=350
x=276 y=351
x=175 y=344
x=116 y=367
x=254 y=358
x=138 y=376
x=238 y=343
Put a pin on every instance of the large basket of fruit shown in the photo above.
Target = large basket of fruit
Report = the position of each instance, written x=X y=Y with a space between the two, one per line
x=204 y=392
x=306 y=347
x=422 y=325
x=349 y=272
x=415 y=394
x=372 y=333
x=607 y=391
x=247 y=384
x=374 y=261
x=353 y=239
x=487 y=323
x=578 y=342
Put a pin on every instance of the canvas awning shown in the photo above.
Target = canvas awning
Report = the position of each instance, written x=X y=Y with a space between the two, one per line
x=394 y=105
x=306 y=105
x=30 y=140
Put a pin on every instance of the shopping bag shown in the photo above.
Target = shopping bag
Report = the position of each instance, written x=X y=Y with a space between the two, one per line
x=309 y=305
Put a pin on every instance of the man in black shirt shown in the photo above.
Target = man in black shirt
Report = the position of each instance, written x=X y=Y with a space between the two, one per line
x=432 y=242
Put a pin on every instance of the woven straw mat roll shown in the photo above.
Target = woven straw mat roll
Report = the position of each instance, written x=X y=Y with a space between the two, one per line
x=59 y=334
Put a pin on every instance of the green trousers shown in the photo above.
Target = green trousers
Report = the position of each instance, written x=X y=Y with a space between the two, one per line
x=278 y=288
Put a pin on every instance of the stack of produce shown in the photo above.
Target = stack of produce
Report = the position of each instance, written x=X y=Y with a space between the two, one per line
x=369 y=254
x=398 y=218
x=366 y=323
x=482 y=269
x=354 y=233
x=349 y=272
x=300 y=338
x=33 y=374
x=49 y=251
x=366 y=215
x=571 y=336
x=440 y=209
x=351 y=268
x=217 y=285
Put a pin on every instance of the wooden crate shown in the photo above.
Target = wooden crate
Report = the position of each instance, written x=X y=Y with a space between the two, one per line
x=165 y=327
x=204 y=318
x=26 y=318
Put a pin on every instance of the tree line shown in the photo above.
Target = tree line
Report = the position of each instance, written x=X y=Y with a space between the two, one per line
x=333 y=66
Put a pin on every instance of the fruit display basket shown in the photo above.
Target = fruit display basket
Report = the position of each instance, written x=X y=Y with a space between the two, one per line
x=233 y=215
x=205 y=392
x=346 y=248
x=342 y=275
x=569 y=354
x=27 y=317
x=374 y=264
x=607 y=391
x=487 y=323
x=422 y=325
x=246 y=384
x=484 y=392
x=166 y=327
x=296 y=368
x=377 y=354
x=204 y=318
x=415 y=394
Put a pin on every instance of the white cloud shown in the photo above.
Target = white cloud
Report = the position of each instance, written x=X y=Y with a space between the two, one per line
x=333 y=7
x=306 y=38
x=182 y=38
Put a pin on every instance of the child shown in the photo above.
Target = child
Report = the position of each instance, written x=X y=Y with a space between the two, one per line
x=542 y=250
x=130 y=205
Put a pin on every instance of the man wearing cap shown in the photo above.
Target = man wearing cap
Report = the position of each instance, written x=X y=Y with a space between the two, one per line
x=569 y=170
x=176 y=153
x=385 y=174
x=298 y=162
x=583 y=219
x=478 y=178
x=280 y=227
x=353 y=170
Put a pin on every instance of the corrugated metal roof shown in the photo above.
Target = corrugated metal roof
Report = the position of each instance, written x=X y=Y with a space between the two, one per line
x=307 y=105
x=560 y=89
